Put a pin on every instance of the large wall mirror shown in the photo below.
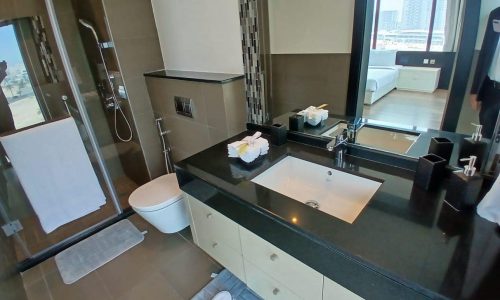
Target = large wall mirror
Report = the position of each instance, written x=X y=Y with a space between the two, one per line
x=400 y=69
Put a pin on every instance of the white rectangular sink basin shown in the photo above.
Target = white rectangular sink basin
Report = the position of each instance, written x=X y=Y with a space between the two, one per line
x=336 y=193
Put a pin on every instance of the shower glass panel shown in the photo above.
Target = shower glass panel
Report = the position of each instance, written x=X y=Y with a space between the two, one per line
x=91 y=50
x=41 y=68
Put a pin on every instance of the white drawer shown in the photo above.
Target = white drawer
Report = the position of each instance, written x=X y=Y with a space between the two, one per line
x=334 y=291
x=295 y=275
x=210 y=224
x=226 y=256
x=265 y=286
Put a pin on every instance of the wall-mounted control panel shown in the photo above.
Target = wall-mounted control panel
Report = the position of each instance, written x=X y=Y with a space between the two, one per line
x=184 y=106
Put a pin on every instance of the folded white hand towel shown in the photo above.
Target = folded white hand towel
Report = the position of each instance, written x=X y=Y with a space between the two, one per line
x=489 y=207
x=314 y=115
x=249 y=148
x=250 y=154
x=234 y=148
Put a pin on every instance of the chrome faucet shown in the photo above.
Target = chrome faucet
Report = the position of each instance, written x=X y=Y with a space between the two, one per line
x=339 y=140
x=352 y=128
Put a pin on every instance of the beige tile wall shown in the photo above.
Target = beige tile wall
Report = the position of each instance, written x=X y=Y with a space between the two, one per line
x=134 y=34
x=219 y=112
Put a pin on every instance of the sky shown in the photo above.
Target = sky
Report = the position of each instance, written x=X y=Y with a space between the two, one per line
x=9 y=49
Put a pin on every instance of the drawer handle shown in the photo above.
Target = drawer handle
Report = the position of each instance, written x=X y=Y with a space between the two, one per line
x=214 y=244
x=273 y=257
x=276 y=291
x=209 y=216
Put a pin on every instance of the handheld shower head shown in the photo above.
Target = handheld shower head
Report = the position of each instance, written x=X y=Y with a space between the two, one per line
x=88 y=25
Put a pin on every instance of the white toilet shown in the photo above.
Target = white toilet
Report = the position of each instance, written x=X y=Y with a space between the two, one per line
x=160 y=202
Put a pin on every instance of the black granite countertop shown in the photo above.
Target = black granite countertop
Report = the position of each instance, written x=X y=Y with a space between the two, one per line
x=195 y=76
x=405 y=244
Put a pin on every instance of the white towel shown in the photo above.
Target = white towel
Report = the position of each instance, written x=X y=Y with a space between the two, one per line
x=249 y=148
x=314 y=115
x=55 y=172
x=489 y=207
x=251 y=153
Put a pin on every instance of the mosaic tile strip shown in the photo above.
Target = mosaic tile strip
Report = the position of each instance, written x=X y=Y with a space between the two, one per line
x=254 y=75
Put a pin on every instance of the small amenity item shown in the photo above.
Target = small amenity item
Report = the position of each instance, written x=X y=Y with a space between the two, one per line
x=464 y=186
x=249 y=149
x=278 y=134
x=296 y=122
x=473 y=146
x=442 y=147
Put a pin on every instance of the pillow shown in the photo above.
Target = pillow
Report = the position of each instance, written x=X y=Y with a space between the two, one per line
x=382 y=58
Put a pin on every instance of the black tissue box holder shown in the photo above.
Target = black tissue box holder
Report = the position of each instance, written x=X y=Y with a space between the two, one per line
x=430 y=171
x=278 y=134
x=442 y=147
x=296 y=122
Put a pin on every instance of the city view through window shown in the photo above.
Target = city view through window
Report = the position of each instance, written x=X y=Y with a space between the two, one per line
x=16 y=86
x=405 y=25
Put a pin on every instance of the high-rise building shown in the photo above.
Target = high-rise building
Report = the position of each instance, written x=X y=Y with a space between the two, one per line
x=388 y=20
x=416 y=14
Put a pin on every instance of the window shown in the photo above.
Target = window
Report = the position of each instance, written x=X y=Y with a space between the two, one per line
x=16 y=86
x=415 y=25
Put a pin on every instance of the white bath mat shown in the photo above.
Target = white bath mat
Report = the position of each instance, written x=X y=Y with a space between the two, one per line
x=93 y=252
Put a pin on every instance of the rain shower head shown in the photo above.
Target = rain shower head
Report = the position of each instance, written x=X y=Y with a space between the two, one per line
x=88 y=25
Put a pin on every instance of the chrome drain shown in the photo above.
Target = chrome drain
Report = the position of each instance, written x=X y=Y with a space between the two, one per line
x=313 y=204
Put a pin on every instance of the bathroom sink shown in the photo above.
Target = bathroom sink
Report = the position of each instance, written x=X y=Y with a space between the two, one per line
x=334 y=192
x=380 y=138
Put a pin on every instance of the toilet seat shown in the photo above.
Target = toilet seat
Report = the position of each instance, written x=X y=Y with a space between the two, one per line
x=156 y=194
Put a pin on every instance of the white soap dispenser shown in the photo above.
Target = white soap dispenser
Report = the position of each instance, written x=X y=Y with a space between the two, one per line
x=473 y=146
x=464 y=186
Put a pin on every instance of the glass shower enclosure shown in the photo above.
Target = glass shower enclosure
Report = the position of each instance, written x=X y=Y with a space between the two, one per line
x=50 y=75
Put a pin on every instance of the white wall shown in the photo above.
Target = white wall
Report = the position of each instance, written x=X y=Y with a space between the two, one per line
x=486 y=7
x=312 y=26
x=199 y=35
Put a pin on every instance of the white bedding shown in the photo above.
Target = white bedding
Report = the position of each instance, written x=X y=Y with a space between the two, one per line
x=380 y=76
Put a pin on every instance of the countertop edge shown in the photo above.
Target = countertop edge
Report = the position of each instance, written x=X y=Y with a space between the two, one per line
x=161 y=74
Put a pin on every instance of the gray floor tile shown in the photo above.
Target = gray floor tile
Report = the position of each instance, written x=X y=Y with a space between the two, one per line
x=190 y=271
x=152 y=288
x=163 y=266
x=32 y=275
x=38 y=291
x=89 y=287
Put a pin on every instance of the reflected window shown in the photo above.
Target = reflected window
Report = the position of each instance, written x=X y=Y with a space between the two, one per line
x=415 y=25
x=17 y=93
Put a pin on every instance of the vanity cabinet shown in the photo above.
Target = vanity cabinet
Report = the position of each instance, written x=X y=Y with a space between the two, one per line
x=293 y=274
x=216 y=235
x=266 y=269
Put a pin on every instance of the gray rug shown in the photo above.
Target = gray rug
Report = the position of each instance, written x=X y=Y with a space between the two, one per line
x=226 y=281
x=93 y=252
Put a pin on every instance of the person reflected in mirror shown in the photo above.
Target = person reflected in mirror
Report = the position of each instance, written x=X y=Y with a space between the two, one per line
x=6 y=119
x=485 y=92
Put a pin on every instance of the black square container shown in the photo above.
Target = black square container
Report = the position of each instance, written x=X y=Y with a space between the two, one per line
x=430 y=171
x=296 y=123
x=278 y=134
x=442 y=147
